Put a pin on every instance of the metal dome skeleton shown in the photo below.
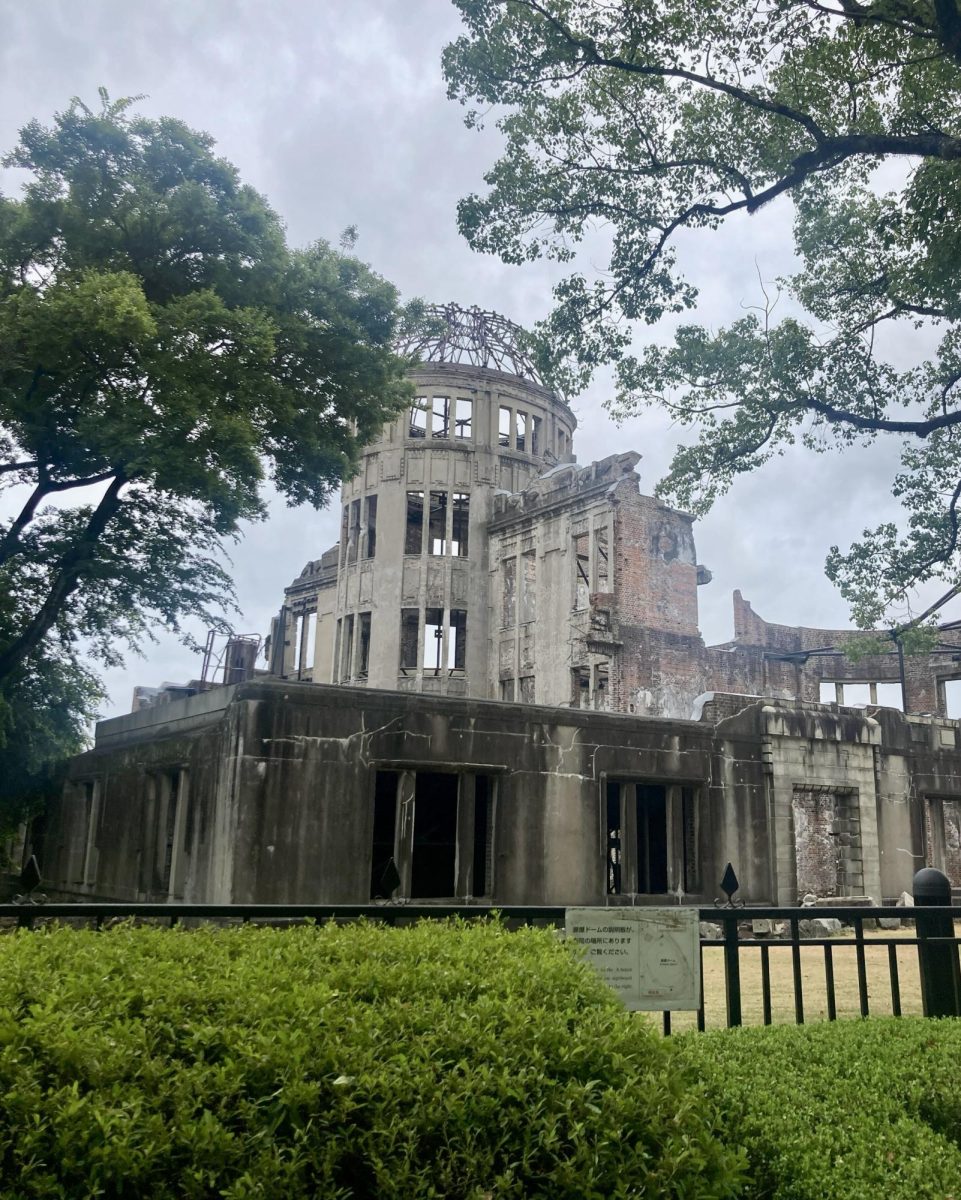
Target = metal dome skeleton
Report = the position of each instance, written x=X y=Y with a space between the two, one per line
x=474 y=337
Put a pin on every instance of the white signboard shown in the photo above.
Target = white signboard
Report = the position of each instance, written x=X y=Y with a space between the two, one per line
x=649 y=956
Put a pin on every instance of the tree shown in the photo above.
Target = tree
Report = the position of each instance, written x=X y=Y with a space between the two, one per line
x=162 y=352
x=652 y=117
x=52 y=700
x=161 y=348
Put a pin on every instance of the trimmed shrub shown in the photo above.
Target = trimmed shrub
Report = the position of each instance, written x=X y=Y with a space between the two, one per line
x=862 y=1110
x=441 y=1060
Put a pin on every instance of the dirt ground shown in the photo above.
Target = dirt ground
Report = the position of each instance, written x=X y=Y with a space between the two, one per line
x=813 y=981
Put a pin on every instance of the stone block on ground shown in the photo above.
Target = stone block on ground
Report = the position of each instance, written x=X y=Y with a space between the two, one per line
x=820 y=927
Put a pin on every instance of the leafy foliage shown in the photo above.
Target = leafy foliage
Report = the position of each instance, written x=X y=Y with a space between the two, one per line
x=44 y=711
x=853 y=1111
x=161 y=352
x=438 y=1060
x=649 y=118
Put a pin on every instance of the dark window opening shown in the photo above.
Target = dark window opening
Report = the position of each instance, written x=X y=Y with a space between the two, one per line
x=465 y=418
x=601 y=573
x=601 y=682
x=507 y=689
x=520 y=431
x=613 y=843
x=418 y=418
x=437 y=530
x=942 y=820
x=582 y=578
x=440 y=426
x=414 y=540
x=344 y=533
x=509 y=594
x=483 y=840
x=504 y=427
x=445 y=849
x=409 y=628
x=580 y=686
x=434 y=640
x=354 y=537
x=363 y=645
x=692 y=878
x=636 y=838
x=385 y=822
x=348 y=663
x=527 y=689
x=172 y=781
x=457 y=641
x=434 y=852
x=528 y=587
x=651 y=838
x=370 y=524
x=460 y=504
x=305 y=628
x=88 y=819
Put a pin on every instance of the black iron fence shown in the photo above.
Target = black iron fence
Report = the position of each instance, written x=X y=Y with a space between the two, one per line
x=745 y=963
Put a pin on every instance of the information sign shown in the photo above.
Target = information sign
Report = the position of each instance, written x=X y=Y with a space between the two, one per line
x=649 y=956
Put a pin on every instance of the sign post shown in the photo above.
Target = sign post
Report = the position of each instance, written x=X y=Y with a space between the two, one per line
x=649 y=956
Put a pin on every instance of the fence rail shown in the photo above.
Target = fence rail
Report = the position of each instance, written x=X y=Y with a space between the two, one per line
x=935 y=940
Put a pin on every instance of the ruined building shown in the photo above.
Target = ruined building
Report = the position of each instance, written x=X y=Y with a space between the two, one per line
x=494 y=688
x=477 y=558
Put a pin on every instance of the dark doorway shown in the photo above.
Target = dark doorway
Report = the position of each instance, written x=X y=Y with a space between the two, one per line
x=482 y=835
x=435 y=837
x=385 y=820
x=651 y=838
x=636 y=838
x=614 y=839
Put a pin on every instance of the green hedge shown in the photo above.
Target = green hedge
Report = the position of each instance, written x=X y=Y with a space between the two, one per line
x=860 y=1110
x=435 y=1061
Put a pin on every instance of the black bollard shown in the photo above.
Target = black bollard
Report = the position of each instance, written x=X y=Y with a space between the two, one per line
x=937 y=951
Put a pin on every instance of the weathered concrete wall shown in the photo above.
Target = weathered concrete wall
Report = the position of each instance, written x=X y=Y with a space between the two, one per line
x=606 y=565
x=270 y=792
x=462 y=451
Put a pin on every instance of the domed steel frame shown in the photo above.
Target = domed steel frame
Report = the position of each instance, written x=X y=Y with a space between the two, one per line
x=473 y=336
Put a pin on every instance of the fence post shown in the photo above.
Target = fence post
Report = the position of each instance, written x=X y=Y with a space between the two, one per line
x=732 y=969
x=937 y=956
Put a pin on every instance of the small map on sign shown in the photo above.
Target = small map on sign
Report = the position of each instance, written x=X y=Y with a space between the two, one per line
x=649 y=956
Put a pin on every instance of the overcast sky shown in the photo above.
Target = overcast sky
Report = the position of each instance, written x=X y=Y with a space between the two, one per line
x=336 y=111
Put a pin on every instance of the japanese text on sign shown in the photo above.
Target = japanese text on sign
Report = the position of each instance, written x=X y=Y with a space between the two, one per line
x=649 y=956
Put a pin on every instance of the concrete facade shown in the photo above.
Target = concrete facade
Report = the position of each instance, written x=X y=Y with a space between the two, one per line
x=286 y=792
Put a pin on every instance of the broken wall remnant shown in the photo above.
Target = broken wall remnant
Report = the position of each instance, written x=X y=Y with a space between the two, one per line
x=827 y=841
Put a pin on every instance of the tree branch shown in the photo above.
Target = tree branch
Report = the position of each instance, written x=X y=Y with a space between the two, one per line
x=10 y=543
x=69 y=574
x=841 y=416
x=11 y=539
x=588 y=49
